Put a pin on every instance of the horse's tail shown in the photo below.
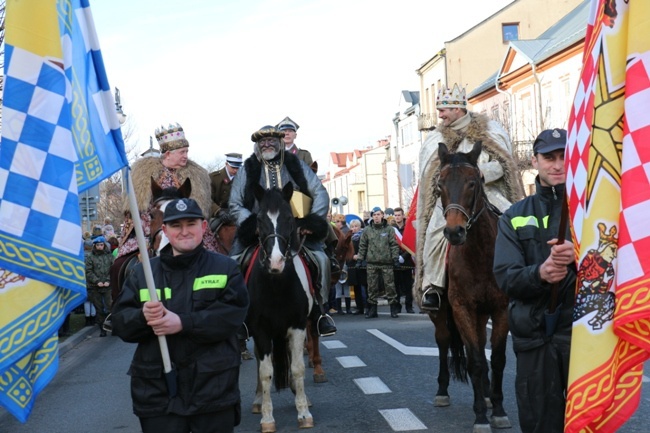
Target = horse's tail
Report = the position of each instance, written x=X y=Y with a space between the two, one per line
x=457 y=360
x=280 y=363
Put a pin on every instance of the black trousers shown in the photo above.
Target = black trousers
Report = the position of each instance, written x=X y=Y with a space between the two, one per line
x=540 y=385
x=214 y=422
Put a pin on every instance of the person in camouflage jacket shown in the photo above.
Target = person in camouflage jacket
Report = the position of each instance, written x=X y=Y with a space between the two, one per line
x=379 y=248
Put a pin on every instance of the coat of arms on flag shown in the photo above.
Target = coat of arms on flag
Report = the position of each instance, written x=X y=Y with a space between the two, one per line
x=608 y=183
x=60 y=135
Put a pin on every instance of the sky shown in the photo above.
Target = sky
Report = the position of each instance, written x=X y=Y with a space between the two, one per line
x=222 y=69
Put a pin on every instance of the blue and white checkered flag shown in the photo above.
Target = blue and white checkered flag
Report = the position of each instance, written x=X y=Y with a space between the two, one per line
x=60 y=135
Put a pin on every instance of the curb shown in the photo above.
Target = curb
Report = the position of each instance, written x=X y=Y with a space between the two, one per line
x=76 y=338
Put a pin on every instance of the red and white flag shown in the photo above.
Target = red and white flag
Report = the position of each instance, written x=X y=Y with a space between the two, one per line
x=608 y=184
x=409 y=236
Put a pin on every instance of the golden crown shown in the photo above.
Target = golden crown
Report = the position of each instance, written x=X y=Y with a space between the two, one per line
x=606 y=239
x=451 y=98
x=171 y=138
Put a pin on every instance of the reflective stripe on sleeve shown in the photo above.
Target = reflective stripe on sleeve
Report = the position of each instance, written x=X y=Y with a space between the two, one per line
x=145 y=296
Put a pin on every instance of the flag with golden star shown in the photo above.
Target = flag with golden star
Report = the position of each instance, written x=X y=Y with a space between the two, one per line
x=608 y=182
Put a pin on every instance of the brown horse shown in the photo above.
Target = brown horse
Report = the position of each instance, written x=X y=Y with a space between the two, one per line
x=343 y=251
x=471 y=297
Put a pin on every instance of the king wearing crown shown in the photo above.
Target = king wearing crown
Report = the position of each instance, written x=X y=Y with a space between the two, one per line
x=171 y=169
x=459 y=129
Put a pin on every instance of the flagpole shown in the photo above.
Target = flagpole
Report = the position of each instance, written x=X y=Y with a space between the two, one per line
x=144 y=257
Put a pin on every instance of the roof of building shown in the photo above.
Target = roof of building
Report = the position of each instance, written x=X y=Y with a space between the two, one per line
x=569 y=30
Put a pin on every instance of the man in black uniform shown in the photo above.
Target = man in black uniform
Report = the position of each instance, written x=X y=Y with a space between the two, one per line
x=529 y=261
x=203 y=302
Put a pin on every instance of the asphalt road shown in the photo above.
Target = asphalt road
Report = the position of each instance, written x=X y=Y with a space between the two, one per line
x=382 y=378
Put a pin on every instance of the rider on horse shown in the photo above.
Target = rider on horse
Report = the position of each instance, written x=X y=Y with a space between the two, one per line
x=459 y=130
x=170 y=170
x=271 y=167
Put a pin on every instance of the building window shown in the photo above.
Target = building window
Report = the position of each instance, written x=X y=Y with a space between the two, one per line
x=510 y=31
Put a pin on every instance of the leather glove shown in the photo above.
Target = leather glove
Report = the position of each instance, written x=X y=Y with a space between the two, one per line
x=396 y=262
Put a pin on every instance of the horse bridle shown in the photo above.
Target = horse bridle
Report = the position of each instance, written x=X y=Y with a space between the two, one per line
x=288 y=255
x=473 y=215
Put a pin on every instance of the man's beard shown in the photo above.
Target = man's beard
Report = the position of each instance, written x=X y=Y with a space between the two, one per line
x=269 y=155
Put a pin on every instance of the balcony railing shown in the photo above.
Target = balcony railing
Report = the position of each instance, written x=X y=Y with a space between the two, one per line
x=523 y=152
x=427 y=122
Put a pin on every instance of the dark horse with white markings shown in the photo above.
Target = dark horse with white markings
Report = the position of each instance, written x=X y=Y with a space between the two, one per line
x=472 y=296
x=280 y=303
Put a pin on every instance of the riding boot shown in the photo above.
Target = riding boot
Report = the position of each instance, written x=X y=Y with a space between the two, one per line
x=432 y=298
x=325 y=323
x=371 y=312
x=395 y=308
x=348 y=303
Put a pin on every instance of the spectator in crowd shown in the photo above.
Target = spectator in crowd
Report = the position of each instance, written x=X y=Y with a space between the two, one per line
x=404 y=274
x=357 y=277
x=98 y=266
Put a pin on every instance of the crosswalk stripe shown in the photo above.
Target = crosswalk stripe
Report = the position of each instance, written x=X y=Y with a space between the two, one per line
x=350 y=361
x=372 y=385
x=402 y=420
x=334 y=344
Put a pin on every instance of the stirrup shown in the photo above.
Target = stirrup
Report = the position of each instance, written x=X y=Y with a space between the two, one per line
x=328 y=318
x=108 y=325
x=424 y=296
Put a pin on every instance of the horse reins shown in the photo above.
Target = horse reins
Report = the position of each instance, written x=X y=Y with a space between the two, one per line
x=474 y=215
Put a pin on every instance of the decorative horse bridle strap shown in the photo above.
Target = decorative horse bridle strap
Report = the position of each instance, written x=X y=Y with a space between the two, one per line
x=474 y=215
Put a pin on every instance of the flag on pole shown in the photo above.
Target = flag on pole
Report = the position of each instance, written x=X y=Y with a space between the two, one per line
x=60 y=135
x=607 y=162
x=410 y=235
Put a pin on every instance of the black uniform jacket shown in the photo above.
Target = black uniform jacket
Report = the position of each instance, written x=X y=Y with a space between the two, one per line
x=208 y=293
x=524 y=230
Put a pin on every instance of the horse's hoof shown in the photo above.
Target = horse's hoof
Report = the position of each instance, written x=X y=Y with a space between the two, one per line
x=482 y=428
x=441 y=401
x=268 y=427
x=500 y=422
x=257 y=408
x=320 y=378
x=306 y=422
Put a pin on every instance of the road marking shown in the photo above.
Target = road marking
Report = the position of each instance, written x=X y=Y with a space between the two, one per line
x=372 y=385
x=334 y=344
x=402 y=420
x=412 y=350
x=350 y=361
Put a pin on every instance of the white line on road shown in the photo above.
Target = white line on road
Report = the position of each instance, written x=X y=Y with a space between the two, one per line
x=372 y=385
x=350 y=361
x=402 y=420
x=334 y=344
x=412 y=350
